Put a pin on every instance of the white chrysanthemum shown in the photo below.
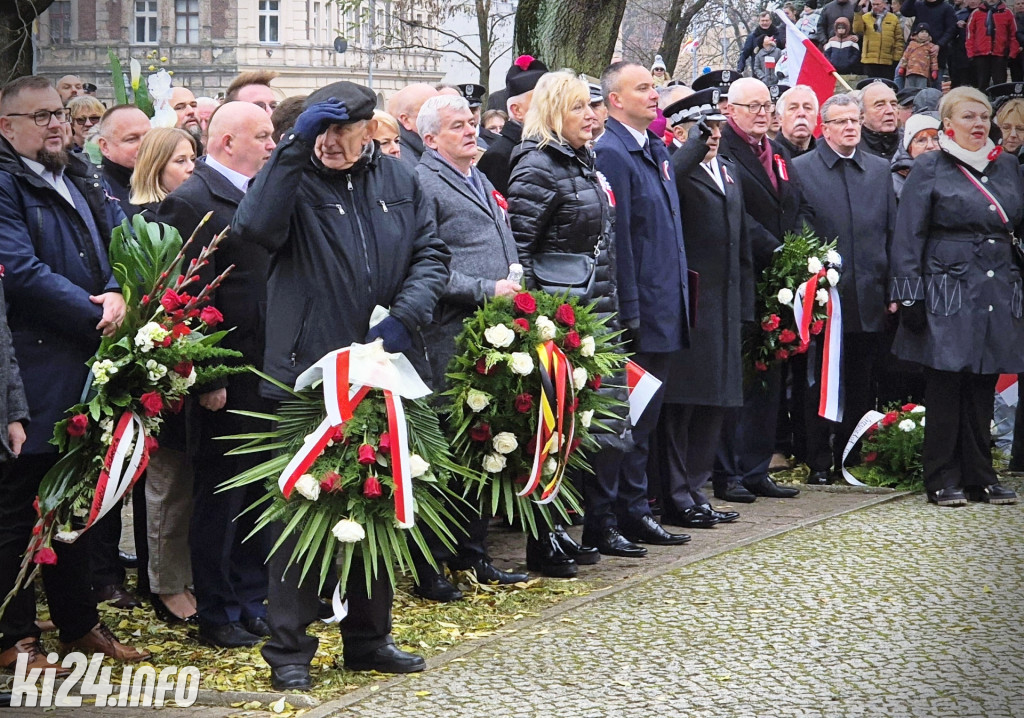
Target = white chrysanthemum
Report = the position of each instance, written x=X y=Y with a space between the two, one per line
x=821 y=297
x=907 y=425
x=499 y=335
x=834 y=257
x=832 y=276
x=588 y=346
x=917 y=409
x=545 y=327
x=308 y=486
x=418 y=465
x=348 y=531
x=579 y=378
x=813 y=265
x=493 y=463
x=522 y=363
x=67 y=536
x=549 y=466
x=922 y=421
x=785 y=296
x=505 y=442
x=586 y=417
x=477 y=400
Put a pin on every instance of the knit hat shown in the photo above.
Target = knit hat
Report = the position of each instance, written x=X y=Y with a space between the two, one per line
x=919 y=26
x=659 y=64
x=523 y=75
x=812 y=4
x=916 y=124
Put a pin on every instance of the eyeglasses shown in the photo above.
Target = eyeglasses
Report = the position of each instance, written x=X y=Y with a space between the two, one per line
x=267 y=106
x=843 y=121
x=755 y=108
x=182 y=105
x=42 y=118
x=90 y=120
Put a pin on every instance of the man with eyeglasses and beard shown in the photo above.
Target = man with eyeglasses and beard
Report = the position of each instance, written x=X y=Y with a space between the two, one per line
x=55 y=220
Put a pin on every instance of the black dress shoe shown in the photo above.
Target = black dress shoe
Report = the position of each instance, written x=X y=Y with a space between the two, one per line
x=117 y=596
x=950 y=496
x=734 y=492
x=290 y=678
x=647 y=530
x=692 y=518
x=544 y=555
x=612 y=543
x=766 y=487
x=127 y=560
x=724 y=517
x=819 y=478
x=437 y=588
x=991 y=494
x=386 y=659
x=257 y=626
x=228 y=635
x=582 y=555
x=167 y=615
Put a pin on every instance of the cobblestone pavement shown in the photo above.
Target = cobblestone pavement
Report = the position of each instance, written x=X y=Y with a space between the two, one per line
x=899 y=610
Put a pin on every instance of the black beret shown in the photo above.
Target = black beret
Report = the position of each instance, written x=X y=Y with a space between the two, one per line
x=360 y=101
x=702 y=104
x=89 y=87
x=871 y=80
x=474 y=94
x=906 y=96
x=717 y=78
x=524 y=74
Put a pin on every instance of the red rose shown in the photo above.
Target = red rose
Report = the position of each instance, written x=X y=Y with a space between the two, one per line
x=908 y=407
x=595 y=383
x=152 y=403
x=152 y=445
x=890 y=418
x=572 y=340
x=870 y=458
x=45 y=556
x=176 y=406
x=330 y=481
x=480 y=432
x=872 y=429
x=371 y=488
x=366 y=454
x=760 y=366
x=77 y=425
x=524 y=303
x=787 y=336
x=384 y=444
x=171 y=300
x=481 y=367
x=565 y=315
x=183 y=368
x=211 y=316
x=771 y=323
x=338 y=435
x=781 y=354
x=818 y=327
x=523 y=403
x=521 y=324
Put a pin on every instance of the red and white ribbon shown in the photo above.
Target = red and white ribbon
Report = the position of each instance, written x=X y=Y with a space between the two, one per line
x=829 y=404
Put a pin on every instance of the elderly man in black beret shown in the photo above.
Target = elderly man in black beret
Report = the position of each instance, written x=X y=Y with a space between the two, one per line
x=347 y=230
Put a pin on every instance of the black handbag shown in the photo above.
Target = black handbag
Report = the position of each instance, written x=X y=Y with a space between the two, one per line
x=561 y=273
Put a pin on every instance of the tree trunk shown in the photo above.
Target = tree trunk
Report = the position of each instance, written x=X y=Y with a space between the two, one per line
x=676 y=26
x=483 y=27
x=579 y=34
x=16 y=18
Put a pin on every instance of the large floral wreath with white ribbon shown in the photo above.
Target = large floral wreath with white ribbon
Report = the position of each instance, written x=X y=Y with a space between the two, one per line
x=523 y=399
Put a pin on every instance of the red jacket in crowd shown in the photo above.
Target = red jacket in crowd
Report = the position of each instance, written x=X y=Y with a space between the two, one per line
x=1003 y=43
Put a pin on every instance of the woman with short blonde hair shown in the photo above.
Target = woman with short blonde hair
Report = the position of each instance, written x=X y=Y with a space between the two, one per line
x=166 y=158
x=1010 y=120
x=86 y=112
x=387 y=133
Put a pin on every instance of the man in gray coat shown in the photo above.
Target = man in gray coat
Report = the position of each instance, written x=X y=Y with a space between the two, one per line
x=853 y=202
x=464 y=212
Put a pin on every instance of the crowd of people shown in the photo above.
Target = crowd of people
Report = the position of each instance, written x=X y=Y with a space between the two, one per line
x=673 y=199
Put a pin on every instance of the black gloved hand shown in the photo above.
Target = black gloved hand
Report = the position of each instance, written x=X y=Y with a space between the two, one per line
x=396 y=337
x=699 y=131
x=316 y=118
x=628 y=337
x=913 y=317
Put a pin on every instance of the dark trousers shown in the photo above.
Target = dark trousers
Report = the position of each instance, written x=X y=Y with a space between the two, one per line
x=228 y=573
x=470 y=547
x=105 y=537
x=631 y=500
x=683 y=452
x=1017 y=450
x=748 y=433
x=791 y=430
x=600 y=491
x=885 y=71
x=292 y=607
x=988 y=70
x=1017 y=69
x=957 y=436
x=67 y=582
x=860 y=352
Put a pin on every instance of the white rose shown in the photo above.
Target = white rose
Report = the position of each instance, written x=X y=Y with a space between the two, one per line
x=785 y=296
x=821 y=297
x=579 y=378
x=522 y=363
x=588 y=346
x=834 y=257
x=192 y=377
x=832 y=276
x=499 y=335
x=549 y=466
x=418 y=465
x=907 y=425
x=477 y=400
x=813 y=265
x=348 y=531
x=545 y=327
x=308 y=486
x=917 y=409
x=494 y=463
x=505 y=442
x=586 y=417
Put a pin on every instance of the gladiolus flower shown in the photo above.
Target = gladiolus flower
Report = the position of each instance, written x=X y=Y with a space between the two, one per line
x=45 y=556
x=77 y=425
x=371 y=488
x=366 y=454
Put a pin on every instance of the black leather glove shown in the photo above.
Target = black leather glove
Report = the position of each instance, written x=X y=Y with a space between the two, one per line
x=628 y=337
x=700 y=131
x=913 y=317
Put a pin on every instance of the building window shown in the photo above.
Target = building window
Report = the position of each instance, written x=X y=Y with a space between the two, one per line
x=186 y=21
x=145 y=22
x=270 y=18
x=60 y=22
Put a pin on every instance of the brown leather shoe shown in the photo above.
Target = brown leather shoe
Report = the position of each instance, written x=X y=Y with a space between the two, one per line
x=36 y=657
x=117 y=596
x=101 y=640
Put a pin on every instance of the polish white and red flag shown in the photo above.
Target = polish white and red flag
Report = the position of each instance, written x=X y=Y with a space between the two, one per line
x=642 y=388
x=805 y=64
